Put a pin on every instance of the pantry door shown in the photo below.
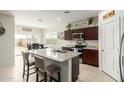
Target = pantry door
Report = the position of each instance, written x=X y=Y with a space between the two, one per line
x=110 y=48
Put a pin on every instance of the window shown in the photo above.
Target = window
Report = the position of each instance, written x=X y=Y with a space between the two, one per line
x=51 y=38
x=21 y=40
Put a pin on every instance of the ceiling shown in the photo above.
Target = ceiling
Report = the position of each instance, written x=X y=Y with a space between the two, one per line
x=48 y=18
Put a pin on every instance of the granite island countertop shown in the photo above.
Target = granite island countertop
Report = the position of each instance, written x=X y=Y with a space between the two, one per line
x=56 y=56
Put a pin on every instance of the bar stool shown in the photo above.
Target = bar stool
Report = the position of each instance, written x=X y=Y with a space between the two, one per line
x=30 y=64
x=46 y=71
x=52 y=70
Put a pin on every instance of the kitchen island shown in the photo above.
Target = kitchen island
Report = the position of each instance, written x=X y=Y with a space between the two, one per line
x=62 y=59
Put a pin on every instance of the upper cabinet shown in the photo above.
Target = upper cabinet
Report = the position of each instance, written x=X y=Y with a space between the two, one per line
x=68 y=35
x=90 y=33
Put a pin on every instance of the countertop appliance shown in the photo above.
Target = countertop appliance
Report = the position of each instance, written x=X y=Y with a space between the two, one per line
x=78 y=36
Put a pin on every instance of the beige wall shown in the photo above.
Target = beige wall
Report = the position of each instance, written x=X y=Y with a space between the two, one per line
x=7 y=41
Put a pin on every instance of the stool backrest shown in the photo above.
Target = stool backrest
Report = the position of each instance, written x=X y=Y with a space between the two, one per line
x=40 y=63
x=25 y=56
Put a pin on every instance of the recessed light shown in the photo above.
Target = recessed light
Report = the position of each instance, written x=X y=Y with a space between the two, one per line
x=40 y=20
x=58 y=18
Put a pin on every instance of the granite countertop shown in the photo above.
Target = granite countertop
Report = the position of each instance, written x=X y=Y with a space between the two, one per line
x=56 y=56
x=87 y=47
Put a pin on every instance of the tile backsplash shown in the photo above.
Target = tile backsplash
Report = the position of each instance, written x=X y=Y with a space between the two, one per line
x=89 y=43
x=92 y=43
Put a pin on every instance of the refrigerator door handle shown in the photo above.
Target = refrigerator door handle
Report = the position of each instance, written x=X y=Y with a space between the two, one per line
x=121 y=59
x=122 y=68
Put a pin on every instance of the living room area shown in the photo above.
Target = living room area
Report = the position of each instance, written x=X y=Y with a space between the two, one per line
x=26 y=36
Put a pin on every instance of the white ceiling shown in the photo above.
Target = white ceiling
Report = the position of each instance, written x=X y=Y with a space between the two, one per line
x=49 y=17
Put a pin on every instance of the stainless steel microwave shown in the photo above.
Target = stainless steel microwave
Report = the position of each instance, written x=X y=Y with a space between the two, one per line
x=78 y=36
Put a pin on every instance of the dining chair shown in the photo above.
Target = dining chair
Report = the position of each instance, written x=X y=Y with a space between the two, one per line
x=29 y=64
x=46 y=71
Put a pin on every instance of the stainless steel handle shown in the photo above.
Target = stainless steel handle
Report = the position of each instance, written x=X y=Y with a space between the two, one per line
x=122 y=68
x=121 y=59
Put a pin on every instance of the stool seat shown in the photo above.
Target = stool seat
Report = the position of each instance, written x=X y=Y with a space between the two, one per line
x=53 y=69
x=31 y=63
x=46 y=71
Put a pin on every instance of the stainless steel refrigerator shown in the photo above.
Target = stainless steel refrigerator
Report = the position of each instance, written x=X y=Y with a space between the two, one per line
x=121 y=52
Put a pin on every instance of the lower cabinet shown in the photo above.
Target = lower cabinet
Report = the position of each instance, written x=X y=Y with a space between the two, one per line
x=75 y=65
x=75 y=68
x=90 y=57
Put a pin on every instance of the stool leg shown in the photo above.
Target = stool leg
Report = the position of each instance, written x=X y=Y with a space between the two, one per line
x=23 y=70
x=59 y=77
x=50 y=79
x=37 y=76
x=27 y=73
x=45 y=77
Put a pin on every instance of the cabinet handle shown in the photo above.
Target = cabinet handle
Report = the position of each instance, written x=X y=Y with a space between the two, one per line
x=103 y=50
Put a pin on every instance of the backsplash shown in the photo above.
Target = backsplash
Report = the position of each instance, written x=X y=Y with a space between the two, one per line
x=92 y=43
x=60 y=43
x=89 y=43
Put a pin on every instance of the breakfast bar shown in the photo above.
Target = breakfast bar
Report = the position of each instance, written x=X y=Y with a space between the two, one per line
x=60 y=58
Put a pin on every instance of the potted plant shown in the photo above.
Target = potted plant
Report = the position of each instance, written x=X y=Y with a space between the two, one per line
x=69 y=26
x=90 y=21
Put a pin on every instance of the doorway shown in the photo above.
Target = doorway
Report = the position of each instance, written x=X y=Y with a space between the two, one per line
x=110 y=48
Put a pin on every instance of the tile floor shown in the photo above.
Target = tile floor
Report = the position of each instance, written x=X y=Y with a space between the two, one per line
x=92 y=74
x=87 y=73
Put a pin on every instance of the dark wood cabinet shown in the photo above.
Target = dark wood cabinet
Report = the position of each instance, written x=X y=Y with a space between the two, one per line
x=90 y=57
x=75 y=68
x=68 y=35
x=90 y=33
x=75 y=65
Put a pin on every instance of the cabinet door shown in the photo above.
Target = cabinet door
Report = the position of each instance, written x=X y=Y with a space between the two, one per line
x=68 y=35
x=90 y=57
x=75 y=65
x=91 y=33
x=85 y=56
x=75 y=68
